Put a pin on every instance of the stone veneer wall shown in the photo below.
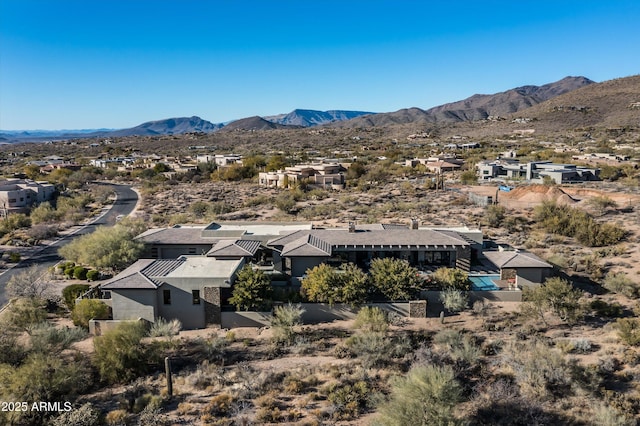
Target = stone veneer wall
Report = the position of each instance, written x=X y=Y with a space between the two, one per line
x=418 y=309
x=212 y=311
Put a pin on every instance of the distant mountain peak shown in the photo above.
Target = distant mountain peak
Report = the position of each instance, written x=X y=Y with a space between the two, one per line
x=310 y=117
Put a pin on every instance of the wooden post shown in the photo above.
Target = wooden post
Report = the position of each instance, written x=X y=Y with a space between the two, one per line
x=167 y=368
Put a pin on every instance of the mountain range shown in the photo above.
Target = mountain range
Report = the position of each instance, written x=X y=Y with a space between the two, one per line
x=476 y=107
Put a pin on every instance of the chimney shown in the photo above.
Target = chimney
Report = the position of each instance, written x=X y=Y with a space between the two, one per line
x=414 y=223
x=352 y=227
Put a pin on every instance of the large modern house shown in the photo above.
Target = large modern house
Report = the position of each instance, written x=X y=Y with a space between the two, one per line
x=535 y=171
x=189 y=271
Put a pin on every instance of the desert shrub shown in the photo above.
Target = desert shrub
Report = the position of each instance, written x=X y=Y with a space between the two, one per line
x=540 y=371
x=25 y=312
x=605 y=415
x=371 y=319
x=152 y=415
x=28 y=284
x=284 y=319
x=119 y=353
x=454 y=300
x=93 y=275
x=286 y=202
x=350 y=400
x=573 y=222
x=46 y=338
x=604 y=309
x=117 y=418
x=219 y=405
x=12 y=352
x=451 y=278
x=71 y=292
x=494 y=214
x=88 y=309
x=629 y=330
x=426 y=395
x=556 y=295
x=80 y=273
x=44 y=213
x=456 y=346
x=85 y=415
x=621 y=283
x=373 y=349
x=162 y=327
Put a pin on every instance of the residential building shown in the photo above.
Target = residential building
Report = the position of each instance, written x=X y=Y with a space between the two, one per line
x=324 y=175
x=535 y=171
x=20 y=194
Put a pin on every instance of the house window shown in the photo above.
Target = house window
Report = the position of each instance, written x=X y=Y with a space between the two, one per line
x=195 y=297
x=154 y=252
x=192 y=250
x=166 y=296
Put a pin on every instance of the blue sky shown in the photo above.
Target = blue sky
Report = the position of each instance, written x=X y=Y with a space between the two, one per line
x=72 y=64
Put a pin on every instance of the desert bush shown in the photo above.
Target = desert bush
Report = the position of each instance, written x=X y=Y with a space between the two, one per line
x=451 y=278
x=541 y=372
x=350 y=399
x=373 y=349
x=29 y=283
x=119 y=353
x=80 y=273
x=285 y=318
x=152 y=415
x=25 y=312
x=117 y=418
x=494 y=214
x=162 y=327
x=88 y=309
x=93 y=275
x=427 y=395
x=454 y=300
x=605 y=415
x=325 y=284
x=46 y=338
x=371 y=319
x=604 y=309
x=556 y=295
x=219 y=405
x=71 y=292
x=456 y=346
x=85 y=415
x=12 y=352
x=621 y=283
x=629 y=330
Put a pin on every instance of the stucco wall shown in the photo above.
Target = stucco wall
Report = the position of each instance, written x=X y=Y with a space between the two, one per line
x=320 y=312
x=527 y=277
x=299 y=265
x=245 y=319
x=182 y=308
x=134 y=304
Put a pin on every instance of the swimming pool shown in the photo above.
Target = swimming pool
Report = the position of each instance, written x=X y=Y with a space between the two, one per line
x=484 y=282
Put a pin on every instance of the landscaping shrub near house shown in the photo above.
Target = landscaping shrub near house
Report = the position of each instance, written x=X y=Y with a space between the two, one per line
x=71 y=292
x=88 y=309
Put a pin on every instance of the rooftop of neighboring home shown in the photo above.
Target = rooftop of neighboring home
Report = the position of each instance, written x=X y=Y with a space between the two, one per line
x=209 y=234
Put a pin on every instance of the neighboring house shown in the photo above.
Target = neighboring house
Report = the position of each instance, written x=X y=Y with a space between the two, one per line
x=19 y=194
x=324 y=175
x=535 y=171
x=188 y=289
x=220 y=159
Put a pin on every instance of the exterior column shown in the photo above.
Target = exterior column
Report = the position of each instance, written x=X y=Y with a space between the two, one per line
x=212 y=308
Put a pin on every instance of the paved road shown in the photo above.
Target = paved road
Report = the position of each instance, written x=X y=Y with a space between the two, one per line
x=125 y=203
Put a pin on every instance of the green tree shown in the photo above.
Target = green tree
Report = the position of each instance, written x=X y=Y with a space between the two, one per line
x=395 y=279
x=556 y=295
x=277 y=162
x=325 y=284
x=426 y=396
x=106 y=248
x=25 y=312
x=88 y=309
x=468 y=177
x=119 y=353
x=252 y=290
x=43 y=213
x=495 y=215
x=452 y=278
x=71 y=292
x=356 y=170
x=284 y=319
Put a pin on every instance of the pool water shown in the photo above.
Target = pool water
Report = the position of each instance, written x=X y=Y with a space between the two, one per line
x=484 y=282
